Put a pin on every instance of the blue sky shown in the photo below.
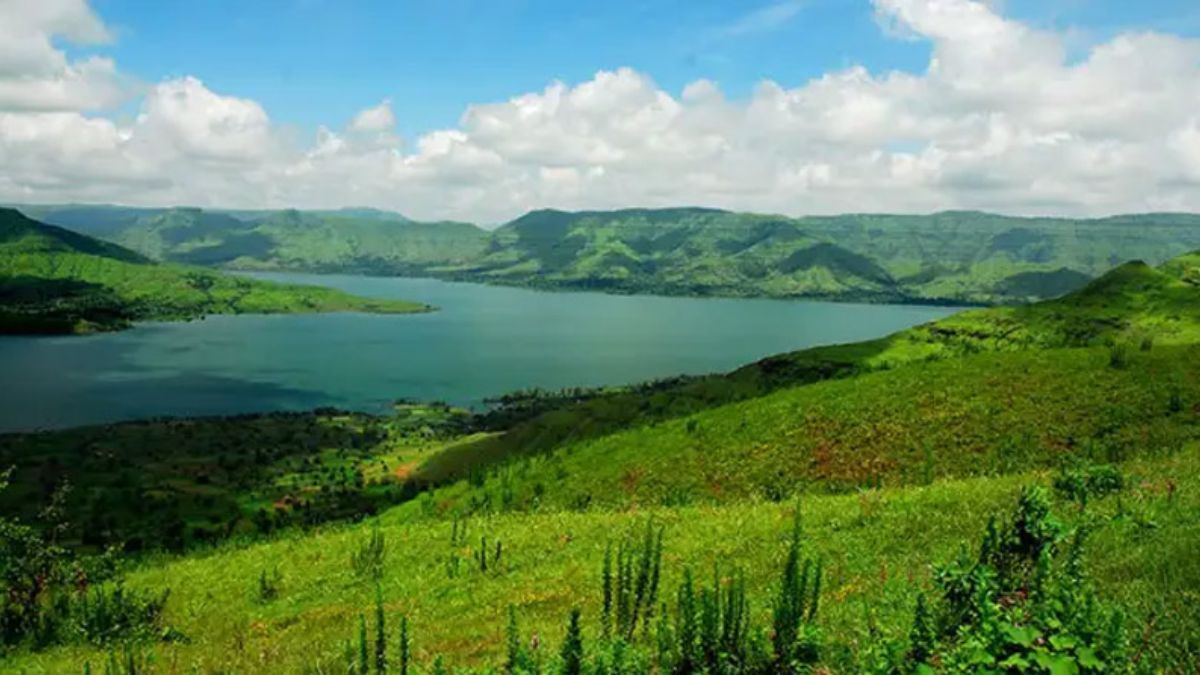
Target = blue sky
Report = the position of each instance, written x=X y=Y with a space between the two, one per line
x=312 y=62
x=446 y=109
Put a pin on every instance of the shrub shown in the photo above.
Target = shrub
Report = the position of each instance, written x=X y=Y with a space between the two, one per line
x=1094 y=481
x=572 y=647
x=796 y=638
x=1022 y=606
x=47 y=597
x=1118 y=355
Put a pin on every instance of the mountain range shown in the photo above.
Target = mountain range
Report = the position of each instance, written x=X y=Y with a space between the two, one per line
x=953 y=257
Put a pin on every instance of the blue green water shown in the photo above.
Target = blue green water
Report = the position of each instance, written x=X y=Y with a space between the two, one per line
x=484 y=341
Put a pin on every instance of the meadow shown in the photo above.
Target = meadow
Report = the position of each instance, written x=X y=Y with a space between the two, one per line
x=877 y=548
x=1006 y=490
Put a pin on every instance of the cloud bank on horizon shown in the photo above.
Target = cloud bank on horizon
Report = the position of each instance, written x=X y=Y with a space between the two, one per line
x=1003 y=118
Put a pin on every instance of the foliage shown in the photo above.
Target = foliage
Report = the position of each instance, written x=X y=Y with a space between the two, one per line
x=368 y=560
x=572 y=648
x=268 y=585
x=1080 y=484
x=795 y=636
x=49 y=597
x=631 y=594
x=200 y=481
x=1022 y=606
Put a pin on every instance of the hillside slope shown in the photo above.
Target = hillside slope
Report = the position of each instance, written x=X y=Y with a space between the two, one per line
x=879 y=549
x=57 y=281
x=897 y=452
x=1133 y=307
x=958 y=257
x=963 y=257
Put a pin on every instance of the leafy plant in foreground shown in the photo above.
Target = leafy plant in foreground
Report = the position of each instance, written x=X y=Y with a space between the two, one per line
x=796 y=638
x=1024 y=605
x=631 y=590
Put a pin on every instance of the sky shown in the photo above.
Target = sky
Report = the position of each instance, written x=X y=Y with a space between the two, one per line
x=472 y=110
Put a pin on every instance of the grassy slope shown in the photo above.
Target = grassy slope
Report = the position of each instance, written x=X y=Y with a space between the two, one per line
x=1128 y=305
x=877 y=546
x=979 y=415
x=959 y=257
x=53 y=280
x=340 y=241
x=174 y=483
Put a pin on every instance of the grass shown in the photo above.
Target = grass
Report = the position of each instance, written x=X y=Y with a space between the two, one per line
x=876 y=545
x=981 y=415
x=897 y=450
x=175 y=484
x=55 y=281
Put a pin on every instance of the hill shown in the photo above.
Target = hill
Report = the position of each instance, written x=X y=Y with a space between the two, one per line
x=296 y=603
x=1062 y=437
x=957 y=257
x=53 y=280
x=960 y=257
x=1131 y=308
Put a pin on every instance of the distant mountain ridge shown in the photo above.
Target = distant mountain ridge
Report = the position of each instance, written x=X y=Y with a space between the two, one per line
x=965 y=257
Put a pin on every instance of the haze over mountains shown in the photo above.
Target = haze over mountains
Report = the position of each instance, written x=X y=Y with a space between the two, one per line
x=949 y=257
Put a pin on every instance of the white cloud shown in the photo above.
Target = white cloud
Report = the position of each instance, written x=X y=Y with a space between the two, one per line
x=1000 y=119
x=377 y=119
x=37 y=76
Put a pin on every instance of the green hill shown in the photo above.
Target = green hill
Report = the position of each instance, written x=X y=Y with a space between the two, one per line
x=53 y=280
x=960 y=257
x=1131 y=308
x=1010 y=489
x=963 y=257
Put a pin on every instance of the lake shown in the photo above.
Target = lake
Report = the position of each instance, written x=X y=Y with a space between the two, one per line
x=483 y=341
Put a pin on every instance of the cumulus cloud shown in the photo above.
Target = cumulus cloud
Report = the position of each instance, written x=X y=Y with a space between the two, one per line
x=37 y=76
x=375 y=119
x=1001 y=118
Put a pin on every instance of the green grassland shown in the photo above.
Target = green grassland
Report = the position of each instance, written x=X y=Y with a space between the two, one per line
x=897 y=452
x=979 y=415
x=56 y=281
x=877 y=546
x=957 y=257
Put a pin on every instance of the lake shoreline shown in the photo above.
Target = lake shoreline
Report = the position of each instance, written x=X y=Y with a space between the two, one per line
x=484 y=342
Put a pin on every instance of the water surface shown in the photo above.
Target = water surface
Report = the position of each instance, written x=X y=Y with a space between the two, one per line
x=484 y=341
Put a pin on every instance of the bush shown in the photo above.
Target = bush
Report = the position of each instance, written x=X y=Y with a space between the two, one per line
x=1081 y=484
x=1023 y=605
x=47 y=596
